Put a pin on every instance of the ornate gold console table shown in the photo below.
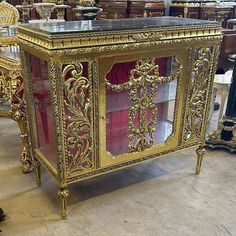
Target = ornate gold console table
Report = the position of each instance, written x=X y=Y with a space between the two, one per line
x=12 y=103
x=105 y=95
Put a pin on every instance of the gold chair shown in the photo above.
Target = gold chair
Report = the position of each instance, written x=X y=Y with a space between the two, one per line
x=10 y=12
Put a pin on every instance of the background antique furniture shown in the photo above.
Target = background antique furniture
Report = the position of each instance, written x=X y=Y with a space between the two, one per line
x=221 y=87
x=225 y=135
x=11 y=13
x=131 y=8
x=8 y=37
x=154 y=9
x=113 y=9
x=116 y=93
x=231 y=23
x=86 y=10
x=185 y=9
x=207 y=10
x=28 y=9
x=228 y=47
x=217 y=13
x=12 y=103
x=44 y=9
x=87 y=13
x=25 y=10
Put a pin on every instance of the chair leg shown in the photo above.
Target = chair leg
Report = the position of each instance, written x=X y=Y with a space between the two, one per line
x=63 y=194
x=25 y=157
x=200 y=153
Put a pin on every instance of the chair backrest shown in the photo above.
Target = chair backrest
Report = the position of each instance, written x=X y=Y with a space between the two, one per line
x=10 y=13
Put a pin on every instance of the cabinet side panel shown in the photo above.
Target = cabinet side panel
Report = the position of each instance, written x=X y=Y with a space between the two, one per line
x=199 y=90
x=43 y=108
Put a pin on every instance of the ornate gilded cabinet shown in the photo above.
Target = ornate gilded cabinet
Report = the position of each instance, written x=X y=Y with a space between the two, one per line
x=105 y=95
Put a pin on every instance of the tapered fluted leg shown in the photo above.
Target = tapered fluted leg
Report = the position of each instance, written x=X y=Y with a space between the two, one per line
x=63 y=194
x=200 y=153
x=37 y=167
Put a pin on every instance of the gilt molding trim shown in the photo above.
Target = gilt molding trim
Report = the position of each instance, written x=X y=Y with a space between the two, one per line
x=79 y=40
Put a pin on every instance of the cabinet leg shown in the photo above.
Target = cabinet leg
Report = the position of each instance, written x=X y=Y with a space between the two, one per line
x=37 y=167
x=200 y=153
x=25 y=160
x=63 y=194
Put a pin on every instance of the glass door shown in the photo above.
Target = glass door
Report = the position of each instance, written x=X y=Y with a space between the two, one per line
x=140 y=108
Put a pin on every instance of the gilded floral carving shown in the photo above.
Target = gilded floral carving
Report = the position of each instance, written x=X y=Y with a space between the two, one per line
x=143 y=88
x=79 y=126
x=198 y=94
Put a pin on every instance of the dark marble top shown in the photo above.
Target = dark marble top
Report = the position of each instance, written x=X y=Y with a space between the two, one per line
x=8 y=32
x=113 y=25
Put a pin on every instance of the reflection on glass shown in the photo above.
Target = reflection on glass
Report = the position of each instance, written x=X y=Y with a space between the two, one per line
x=43 y=108
x=140 y=102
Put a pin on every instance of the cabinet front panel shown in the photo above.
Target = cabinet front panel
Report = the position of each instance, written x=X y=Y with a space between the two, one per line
x=139 y=106
x=78 y=103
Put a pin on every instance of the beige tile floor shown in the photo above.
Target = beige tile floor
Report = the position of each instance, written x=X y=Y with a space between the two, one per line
x=161 y=197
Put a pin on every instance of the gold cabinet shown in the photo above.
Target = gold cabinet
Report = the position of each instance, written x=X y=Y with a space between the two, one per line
x=105 y=95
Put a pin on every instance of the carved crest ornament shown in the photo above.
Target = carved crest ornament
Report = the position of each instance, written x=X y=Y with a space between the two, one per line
x=142 y=87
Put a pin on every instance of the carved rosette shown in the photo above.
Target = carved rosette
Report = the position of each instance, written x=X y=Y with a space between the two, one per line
x=78 y=101
x=142 y=87
x=197 y=101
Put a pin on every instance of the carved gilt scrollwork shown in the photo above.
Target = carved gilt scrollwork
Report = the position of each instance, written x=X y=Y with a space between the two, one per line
x=5 y=92
x=142 y=87
x=79 y=119
x=201 y=66
x=147 y=36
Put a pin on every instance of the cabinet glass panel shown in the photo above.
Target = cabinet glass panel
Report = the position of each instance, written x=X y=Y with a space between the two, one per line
x=140 y=103
x=43 y=108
